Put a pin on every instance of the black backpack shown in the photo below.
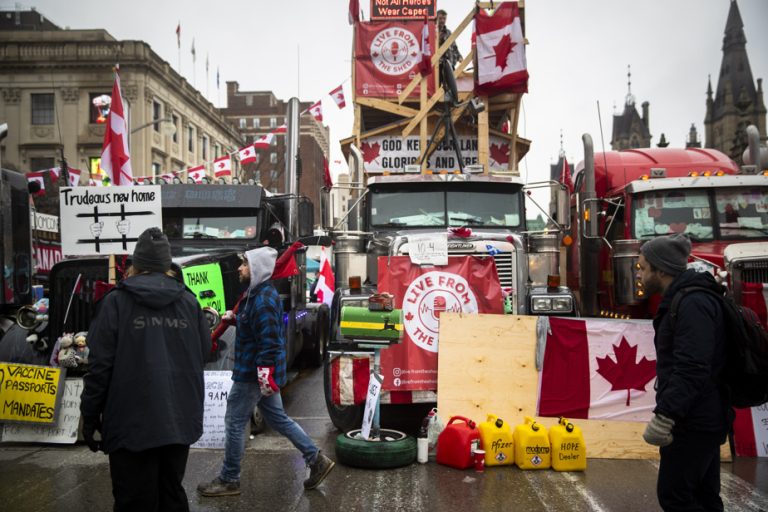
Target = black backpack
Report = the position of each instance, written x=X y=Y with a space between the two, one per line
x=745 y=376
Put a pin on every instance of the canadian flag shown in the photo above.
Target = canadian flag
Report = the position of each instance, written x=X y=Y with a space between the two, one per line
x=96 y=180
x=115 y=154
x=39 y=178
x=74 y=177
x=317 y=111
x=354 y=11
x=54 y=173
x=247 y=154
x=196 y=173
x=565 y=176
x=327 y=181
x=349 y=379
x=281 y=129
x=264 y=141
x=326 y=283
x=285 y=266
x=600 y=369
x=425 y=66
x=338 y=96
x=501 y=65
x=222 y=166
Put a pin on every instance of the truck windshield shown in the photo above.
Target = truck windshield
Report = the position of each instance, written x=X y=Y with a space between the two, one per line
x=445 y=208
x=192 y=228
x=702 y=214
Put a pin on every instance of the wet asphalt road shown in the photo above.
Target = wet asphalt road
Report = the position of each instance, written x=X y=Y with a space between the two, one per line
x=47 y=478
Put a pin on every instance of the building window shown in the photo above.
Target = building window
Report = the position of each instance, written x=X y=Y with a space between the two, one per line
x=205 y=147
x=41 y=163
x=98 y=115
x=242 y=122
x=216 y=151
x=157 y=114
x=256 y=122
x=156 y=169
x=191 y=139
x=273 y=158
x=42 y=108
x=273 y=177
x=273 y=122
x=175 y=135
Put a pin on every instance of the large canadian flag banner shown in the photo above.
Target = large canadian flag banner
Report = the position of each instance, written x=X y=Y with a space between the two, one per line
x=501 y=64
x=467 y=284
x=598 y=369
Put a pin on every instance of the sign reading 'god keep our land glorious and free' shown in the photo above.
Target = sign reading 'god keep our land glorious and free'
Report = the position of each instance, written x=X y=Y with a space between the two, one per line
x=30 y=393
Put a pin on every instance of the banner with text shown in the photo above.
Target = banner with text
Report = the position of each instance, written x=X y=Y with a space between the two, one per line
x=65 y=429
x=107 y=220
x=387 y=56
x=392 y=153
x=402 y=10
x=30 y=393
x=467 y=284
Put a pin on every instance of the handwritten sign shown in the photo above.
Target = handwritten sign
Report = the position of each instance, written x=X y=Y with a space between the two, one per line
x=206 y=283
x=217 y=386
x=428 y=249
x=65 y=429
x=760 y=425
x=30 y=393
x=374 y=390
x=107 y=220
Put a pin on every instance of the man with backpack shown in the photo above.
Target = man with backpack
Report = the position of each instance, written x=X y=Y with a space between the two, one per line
x=692 y=415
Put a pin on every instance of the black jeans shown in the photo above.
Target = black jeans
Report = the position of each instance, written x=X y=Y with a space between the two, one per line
x=689 y=473
x=150 y=480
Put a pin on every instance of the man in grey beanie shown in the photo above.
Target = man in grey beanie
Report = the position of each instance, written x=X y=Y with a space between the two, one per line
x=692 y=416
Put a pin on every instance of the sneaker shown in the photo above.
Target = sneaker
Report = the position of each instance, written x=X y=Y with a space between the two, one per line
x=318 y=471
x=218 y=487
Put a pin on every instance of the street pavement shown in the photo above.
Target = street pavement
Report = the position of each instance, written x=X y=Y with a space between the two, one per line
x=40 y=478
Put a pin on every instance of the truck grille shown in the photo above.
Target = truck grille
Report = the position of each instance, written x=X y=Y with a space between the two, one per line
x=753 y=271
x=503 y=265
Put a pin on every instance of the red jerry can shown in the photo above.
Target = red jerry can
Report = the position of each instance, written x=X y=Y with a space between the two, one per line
x=457 y=442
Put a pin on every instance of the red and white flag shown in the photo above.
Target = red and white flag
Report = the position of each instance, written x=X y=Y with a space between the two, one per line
x=264 y=141
x=349 y=379
x=565 y=176
x=317 y=111
x=196 y=173
x=247 y=154
x=354 y=11
x=54 y=173
x=74 y=177
x=598 y=369
x=327 y=181
x=501 y=64
x=39 y=178
x=326 y=283
x=281 y=129
x=222 y=167
x=96 y=180
x=115 y=154
x=425 y=65
x=338 y=96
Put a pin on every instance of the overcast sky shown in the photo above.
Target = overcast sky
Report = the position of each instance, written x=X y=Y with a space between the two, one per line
x=577 y=55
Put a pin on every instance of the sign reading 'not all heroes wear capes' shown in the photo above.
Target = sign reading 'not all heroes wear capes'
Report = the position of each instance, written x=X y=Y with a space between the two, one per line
x=30 y=393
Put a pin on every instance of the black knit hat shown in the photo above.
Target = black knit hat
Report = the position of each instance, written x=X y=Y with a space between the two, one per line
x=152 y=252
x=668 y=253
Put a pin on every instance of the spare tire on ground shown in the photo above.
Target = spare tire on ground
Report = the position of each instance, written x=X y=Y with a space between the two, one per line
x=393 y=450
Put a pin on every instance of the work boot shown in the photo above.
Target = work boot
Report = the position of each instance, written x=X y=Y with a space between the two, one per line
x=218 y=487
x=318 y=471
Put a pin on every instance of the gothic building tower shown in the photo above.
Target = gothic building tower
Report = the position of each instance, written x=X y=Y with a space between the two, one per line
x=737 y=102
x=629 y=129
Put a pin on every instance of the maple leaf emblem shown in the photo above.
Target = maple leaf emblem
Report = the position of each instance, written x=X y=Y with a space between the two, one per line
x=502 y=50
x=500 y=153
x=370 y=151
x=625 y=372
x=409 y=316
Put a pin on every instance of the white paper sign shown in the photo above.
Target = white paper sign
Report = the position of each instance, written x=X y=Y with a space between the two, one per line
x=65 y=429
x=217 y=386
x=760 y=425
x=107 y=220
x=428 y=249
x=374 y=390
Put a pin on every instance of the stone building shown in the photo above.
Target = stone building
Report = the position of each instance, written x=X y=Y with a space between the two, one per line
x=258 y=113
x=629 y=129
x=49 y=77
x=737 y=102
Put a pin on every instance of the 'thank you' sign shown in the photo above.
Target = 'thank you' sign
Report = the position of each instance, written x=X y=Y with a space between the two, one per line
x=107 y=220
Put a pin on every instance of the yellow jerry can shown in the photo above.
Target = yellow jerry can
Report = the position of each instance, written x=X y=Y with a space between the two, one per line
x=496 y=439
x=568 y=450
x=531 y=445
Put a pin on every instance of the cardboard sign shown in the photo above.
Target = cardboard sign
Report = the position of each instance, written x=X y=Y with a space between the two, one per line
x=428 y=249
x=65 y=429
x=30 y=393
x=206 y=283
x=217 y=386
x=107 y=220
x=374 y=390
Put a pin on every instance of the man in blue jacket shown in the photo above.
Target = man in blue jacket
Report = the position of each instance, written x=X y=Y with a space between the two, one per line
x=144 y=386
x=692 y=416
x=258 y=373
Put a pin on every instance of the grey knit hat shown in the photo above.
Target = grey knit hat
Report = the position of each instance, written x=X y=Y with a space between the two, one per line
x=152 y=252
x=668 y=253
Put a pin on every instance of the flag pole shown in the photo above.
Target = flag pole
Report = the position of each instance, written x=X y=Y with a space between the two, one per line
x=69 y=305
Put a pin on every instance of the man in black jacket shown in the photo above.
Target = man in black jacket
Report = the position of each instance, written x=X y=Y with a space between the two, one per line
x=144 y=388
x=692 y=417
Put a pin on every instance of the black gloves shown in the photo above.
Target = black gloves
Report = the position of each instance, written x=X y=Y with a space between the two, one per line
x=91 y=424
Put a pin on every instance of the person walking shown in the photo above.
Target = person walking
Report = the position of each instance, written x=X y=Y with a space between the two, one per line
x=692 y=416
x=258 y=373
x=144 y=388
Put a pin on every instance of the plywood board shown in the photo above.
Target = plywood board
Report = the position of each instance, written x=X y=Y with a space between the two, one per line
x=486 y=364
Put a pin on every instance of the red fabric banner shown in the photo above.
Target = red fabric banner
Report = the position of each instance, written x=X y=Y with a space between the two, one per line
x=387 y=57
x=467 y=284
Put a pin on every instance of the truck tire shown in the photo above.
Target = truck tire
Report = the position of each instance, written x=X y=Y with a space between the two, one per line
x=321 y=331
x=343 y=417
x=394 y=450
x=257 y=422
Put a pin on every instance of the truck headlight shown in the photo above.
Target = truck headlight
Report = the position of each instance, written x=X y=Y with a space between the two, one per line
x=562 y=304
x=541 y=304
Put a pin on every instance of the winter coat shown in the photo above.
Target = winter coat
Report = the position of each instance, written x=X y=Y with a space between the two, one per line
x=689 y=357
x=260 y=331
x=148 y=344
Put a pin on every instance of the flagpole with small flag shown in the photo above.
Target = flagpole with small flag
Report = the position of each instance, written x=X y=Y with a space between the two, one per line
x=194 y=60
x=178 y=43
x=207 y=82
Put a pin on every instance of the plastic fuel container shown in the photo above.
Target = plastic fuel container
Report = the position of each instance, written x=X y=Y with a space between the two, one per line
x=568 y=450
x=497 y=441
x=532 y=450
x=457 y=442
